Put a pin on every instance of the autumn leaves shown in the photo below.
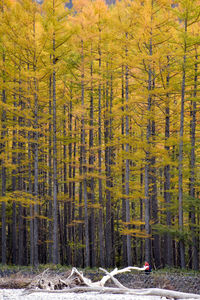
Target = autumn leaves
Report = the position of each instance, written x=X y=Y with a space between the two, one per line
x=99 y=132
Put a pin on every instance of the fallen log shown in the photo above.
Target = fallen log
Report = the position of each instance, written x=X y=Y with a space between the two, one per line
x=76 y=282
x=109 y=290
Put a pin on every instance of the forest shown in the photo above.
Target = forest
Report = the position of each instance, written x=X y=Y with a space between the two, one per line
x=100 y=133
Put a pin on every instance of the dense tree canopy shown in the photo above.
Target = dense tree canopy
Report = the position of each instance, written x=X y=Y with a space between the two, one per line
x=99 y=132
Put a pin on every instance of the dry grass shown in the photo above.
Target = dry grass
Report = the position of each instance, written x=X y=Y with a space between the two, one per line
x=20 y=281
x=15 y=281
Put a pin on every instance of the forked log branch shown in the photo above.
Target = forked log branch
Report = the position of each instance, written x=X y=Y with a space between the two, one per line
x=76 y=283
x=115 y=272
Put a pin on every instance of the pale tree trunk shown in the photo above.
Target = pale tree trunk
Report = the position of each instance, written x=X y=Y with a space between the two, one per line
x=55 y=204
x=25 y=231
x=3 y=175
x=14 y=215
x=147 y=156
x=192 y=179
x=91 y=193
x=108 y=225
x=147 y=167
x=74 y=215
x=147 y=211
x=36 y=207
x=65 y=190
x=154 y=204
x=80 y=211
x=50 y=210
x=79 y=252
x=20 y=176
x=83 y=142
x=111 y=162
x=20 y=216
x=153 y=177
x=69 y=204
x=180 y=164
x=127 y=167
x=3 y=216
x=124 y=238
x=30 y=187
x=101 y=235
x=30 y=190
x=141 y=213
x=3 y=167
x=167 y=196
x=74 y=184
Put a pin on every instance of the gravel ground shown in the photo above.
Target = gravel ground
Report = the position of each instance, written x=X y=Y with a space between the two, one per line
x=186 y=283
x=176 y=282
x=17 y=295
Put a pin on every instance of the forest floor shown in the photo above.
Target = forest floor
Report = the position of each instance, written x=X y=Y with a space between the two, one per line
x=177 y=280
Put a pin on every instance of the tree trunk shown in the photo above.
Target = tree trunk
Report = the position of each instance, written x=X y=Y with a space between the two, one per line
x=69 y=204
x=3 y=171
x=153 y=177
x=50 y=210
x=25 y=244
x=141 y=248
x=154 y=203
x=36 y=207
x=108 y=229
x=111 y=162
x=91 y=193
x=64 y=248
x=147 y=166
x=74 y=193
x=83 y=143
x=30 y=190
x=101 y=235
x=192 y=179
x=30 y=187
x=180 y=165
x=167 y=196
x=55 y=187
x=20 y=177
x=3 y=214
x=124 y=238
x=127 y=168
x=80 y=211
x=3 y=167
x=14 y=215
x=36 y=210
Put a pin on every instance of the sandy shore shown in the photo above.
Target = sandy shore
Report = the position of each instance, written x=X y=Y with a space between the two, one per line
x=8 y=294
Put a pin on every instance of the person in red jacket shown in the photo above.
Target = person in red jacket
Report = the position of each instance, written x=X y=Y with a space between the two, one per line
x=147 y=267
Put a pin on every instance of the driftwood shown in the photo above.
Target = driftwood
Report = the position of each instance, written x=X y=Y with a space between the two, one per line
x=77 y=283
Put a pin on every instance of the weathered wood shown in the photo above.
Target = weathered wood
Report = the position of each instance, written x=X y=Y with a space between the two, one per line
x=104 y=290
x=115 y=272
x=76 y=283
x=111 y=276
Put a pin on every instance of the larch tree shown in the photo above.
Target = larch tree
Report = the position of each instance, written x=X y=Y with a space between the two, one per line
x=55 y=40
x=192 y=178
x=3 y=143
x=187 y=16
x=99 y=132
